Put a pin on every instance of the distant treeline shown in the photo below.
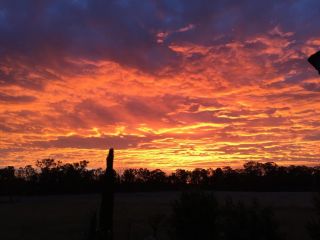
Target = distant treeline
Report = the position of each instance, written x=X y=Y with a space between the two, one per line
x=51 y=177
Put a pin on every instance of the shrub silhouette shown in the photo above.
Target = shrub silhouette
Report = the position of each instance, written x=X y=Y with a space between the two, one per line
x=195 y=216
x=243 y=222
x=314 y=225
x=155 y=222
x=198 y=215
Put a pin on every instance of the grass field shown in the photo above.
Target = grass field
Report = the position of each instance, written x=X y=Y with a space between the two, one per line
x=68 y=217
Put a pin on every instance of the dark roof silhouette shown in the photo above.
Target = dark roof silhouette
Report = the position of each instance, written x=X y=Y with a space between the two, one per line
x=314 y=60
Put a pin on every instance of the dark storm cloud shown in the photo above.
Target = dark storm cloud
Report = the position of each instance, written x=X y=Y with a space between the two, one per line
x=313 y=137
x=48 y=32
x=313 y=87
x=102 y=142
x=16 y=99
x=96 y=30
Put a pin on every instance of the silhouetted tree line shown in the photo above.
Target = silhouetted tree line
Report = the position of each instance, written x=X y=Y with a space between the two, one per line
x=50 y=176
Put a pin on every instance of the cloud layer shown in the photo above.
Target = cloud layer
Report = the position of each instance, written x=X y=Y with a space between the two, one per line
x=167 y=83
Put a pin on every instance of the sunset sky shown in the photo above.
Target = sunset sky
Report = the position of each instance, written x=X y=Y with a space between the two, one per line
x=169 y=84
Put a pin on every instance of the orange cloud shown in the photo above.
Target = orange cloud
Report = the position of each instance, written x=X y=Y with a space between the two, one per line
x=182 y=97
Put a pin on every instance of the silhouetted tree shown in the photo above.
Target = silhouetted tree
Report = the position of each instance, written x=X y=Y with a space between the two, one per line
x=157 y=177
x=251 y=222
x=128 y=176
x=199 y=176
x=253 y=169
x=7 y=180
x=195 y=216
x=155 y=222
x=142 y=175
x=180 y=177
x=217 y=178
x=314 y=225
x=198 y=215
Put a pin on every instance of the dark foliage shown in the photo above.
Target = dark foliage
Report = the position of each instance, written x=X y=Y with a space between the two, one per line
x=197 y=215
x=314 y=225
x=51 y=177
x=248 y=222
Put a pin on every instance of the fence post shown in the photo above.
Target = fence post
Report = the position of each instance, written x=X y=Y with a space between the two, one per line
x=106 y=210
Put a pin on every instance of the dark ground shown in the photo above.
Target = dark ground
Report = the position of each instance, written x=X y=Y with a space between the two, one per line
x=68 y=217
